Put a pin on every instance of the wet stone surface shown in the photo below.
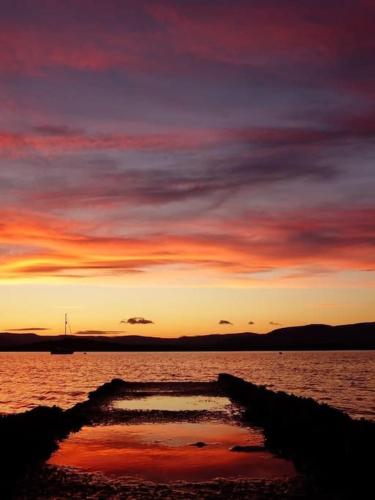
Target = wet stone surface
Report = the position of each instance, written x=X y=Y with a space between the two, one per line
x=64 y=482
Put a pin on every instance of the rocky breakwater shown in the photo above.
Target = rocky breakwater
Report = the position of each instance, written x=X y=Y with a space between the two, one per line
x=334 y=451
x=28 y=439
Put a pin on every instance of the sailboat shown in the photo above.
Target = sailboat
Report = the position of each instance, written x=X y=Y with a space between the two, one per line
x=61 y=349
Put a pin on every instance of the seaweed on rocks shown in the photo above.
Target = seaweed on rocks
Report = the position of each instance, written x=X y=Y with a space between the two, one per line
x=28 y=439
x=333 y=451
x=328 y=446
x=108 y=389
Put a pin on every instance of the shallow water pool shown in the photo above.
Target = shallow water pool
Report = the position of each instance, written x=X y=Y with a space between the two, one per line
x=166 y=452
x=173 y=403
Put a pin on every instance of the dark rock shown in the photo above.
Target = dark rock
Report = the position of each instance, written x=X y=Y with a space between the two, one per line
x=199 y=444
x=28 y=439
x=108 y=389
x=247 y=449
x=325 y=444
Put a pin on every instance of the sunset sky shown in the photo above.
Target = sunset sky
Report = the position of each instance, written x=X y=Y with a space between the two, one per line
x=186 y=162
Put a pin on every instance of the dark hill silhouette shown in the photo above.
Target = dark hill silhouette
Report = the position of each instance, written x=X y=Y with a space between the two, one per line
x=325 y=336
x=308 y=337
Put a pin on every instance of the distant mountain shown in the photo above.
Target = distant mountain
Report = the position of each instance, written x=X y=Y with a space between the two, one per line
x=308 y=337
x=357 y=336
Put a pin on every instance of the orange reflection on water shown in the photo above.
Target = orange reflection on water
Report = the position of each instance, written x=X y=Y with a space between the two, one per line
x=164 y=452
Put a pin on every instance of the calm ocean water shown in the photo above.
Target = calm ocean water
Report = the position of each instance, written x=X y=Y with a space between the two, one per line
x=345 y=380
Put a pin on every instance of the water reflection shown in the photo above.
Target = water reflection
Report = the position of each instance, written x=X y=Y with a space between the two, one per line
x=173 y=403
x=165 y=452
x=30 y=379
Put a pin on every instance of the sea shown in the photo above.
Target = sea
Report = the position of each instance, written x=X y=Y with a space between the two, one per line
x=343 y=379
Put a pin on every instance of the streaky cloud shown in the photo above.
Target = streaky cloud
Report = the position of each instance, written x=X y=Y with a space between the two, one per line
x=28 y=329
x=99 y=332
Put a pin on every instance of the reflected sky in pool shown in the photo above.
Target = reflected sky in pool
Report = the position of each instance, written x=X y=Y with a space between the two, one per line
x=165 y=452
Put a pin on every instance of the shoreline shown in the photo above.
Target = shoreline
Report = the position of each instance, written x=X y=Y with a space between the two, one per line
x=331 y=451
x=359 y=336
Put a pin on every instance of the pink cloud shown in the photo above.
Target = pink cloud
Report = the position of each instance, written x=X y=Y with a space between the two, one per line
x=85 y=37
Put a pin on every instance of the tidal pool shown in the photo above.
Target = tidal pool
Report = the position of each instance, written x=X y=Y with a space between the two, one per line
x=166 y=452
x=173 y=403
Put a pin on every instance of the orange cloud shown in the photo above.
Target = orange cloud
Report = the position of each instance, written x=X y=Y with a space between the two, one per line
x=54 y=247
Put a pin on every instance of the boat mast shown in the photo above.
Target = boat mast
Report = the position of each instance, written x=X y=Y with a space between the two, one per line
x=66 y=322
